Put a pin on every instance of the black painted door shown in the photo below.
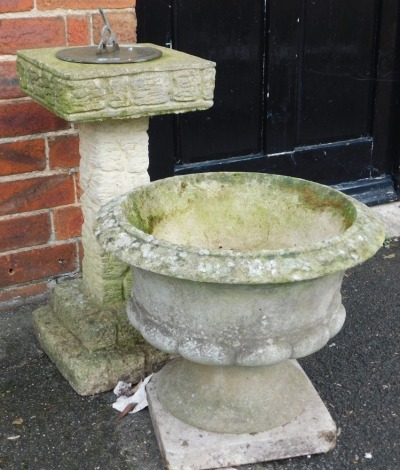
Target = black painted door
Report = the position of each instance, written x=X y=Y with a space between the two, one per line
x=306 y=88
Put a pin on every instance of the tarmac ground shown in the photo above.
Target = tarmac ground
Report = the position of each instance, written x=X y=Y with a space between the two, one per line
x=45 y=425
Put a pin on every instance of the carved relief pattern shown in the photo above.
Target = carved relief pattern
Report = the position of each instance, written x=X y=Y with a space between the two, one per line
x=120 y=97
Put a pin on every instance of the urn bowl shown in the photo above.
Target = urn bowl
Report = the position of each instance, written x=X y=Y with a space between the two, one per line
x=238 y=268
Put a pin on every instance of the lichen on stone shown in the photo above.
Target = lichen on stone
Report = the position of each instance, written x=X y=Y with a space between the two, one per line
x=239 y=228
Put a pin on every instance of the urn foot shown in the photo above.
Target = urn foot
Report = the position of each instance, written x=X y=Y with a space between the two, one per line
x=233 y=399
x=184 y=446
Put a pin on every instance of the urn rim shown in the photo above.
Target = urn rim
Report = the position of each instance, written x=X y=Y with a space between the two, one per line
x=134 y=246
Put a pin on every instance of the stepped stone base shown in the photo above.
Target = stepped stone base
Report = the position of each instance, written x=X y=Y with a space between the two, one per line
x=93 y=347
x=185 y=447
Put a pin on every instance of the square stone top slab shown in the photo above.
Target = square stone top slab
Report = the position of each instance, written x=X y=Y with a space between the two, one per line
x=174 y=83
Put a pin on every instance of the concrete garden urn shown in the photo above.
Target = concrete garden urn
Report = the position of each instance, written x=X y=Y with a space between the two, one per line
x=239 y=274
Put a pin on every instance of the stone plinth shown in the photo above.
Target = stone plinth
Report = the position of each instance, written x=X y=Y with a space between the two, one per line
x=93 y=347
x=84 y=329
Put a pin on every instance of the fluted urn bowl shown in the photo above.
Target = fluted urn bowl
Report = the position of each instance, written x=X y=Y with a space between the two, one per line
x=237 y=273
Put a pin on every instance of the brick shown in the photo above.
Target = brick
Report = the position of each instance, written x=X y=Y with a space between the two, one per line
x=9 y=6
x=38 y=263
x=79 y=190
x=20 y=232
x=22 y=157
x=68 y=222
x=36 y=193
x=28 y=33
x=78 y=32
x=123 y=25
x=88 y=4
x=9 y=83
x=27 y=117
x=64 y=151
x=19 y=292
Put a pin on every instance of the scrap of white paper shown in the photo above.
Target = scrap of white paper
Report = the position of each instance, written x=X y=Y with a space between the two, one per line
x=138 y=397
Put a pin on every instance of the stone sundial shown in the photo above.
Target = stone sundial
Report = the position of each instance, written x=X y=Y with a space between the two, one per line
x=84 y=329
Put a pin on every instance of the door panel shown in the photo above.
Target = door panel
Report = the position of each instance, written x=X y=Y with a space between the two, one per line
x=282 y=72
x=337 y=71
x=232 y=36
x=386 y=121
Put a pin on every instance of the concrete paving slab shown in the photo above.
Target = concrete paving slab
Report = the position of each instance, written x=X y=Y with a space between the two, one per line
x=390 y=214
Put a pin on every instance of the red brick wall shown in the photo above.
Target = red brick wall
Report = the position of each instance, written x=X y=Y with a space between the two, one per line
x=40 y=216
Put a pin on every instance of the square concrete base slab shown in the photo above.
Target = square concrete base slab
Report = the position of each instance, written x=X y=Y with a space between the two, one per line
x=91 y=372
x=184 y=447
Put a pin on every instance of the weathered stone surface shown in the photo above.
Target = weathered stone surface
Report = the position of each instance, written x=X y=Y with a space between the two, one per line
x=97 y=370
x=127 y=284
x=233 y=399
x=239 y=228
x=184 y=446
x=87 y=372
x=114 y=160
x=238 y=268
x=103 y=274
x=236 y=324
x=234 y=270
x=175 y=83
x=96 y=327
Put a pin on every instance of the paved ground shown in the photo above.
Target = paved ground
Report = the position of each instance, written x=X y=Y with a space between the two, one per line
x=45 y=425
